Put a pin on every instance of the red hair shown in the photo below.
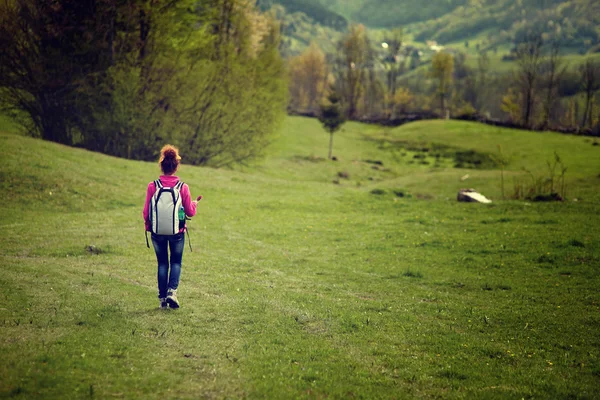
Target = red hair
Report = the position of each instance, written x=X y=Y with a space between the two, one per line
x=169 y=159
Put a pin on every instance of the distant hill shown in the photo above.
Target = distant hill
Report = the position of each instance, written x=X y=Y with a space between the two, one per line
x=393 y=13
x=312 y=8
x=575 y=23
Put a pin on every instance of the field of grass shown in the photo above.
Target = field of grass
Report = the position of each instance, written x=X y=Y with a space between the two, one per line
x=309 y=278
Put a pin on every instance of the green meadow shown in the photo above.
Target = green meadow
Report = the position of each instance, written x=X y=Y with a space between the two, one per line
x=309 y=278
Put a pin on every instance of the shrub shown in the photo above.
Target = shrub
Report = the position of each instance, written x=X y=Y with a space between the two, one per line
x=543 y=188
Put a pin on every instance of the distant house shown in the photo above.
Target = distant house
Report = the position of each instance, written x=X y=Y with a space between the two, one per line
x=434 y=46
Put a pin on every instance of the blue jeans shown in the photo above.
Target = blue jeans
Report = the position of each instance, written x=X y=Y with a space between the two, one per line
x=162 y=244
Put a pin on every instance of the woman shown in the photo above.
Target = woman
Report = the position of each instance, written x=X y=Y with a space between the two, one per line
x=169 y=268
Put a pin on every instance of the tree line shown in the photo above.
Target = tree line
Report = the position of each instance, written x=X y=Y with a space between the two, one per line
x=125 y=76
x=387 y=80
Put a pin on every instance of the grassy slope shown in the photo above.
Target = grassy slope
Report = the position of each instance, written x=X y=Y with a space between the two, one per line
x=298 y=287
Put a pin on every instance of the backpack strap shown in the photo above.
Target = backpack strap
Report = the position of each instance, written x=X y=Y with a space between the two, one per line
x=179 y=185
x=158 y=184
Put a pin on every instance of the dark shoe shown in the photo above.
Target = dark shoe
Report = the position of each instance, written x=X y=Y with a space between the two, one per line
x=172 y=298
x=163 y=302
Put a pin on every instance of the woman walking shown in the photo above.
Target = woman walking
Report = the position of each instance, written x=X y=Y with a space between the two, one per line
x=177 y=194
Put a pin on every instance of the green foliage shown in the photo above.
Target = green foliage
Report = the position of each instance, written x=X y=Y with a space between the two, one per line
x=332 y=116
x=205 y=76
x=238 y=106
x=44 y=57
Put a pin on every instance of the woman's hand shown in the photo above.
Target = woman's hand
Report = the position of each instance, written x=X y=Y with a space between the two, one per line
x=197 y=200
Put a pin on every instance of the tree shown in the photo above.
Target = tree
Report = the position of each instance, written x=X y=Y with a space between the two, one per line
x=237 y=99
x=511 y=105
x=553 y=69
x=590 y=82
x=415 y=59
x=482 y=82
x=48 y=48
x=529 y=60
x=372 y=101
x=393 y=44
x=465 y=93
x=402 y=100
x=308 y=76
x=442 y=66
x=332 y=116
x=353 y=58
x=136 y=104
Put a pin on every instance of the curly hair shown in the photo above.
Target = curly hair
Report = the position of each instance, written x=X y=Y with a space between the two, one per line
x=169 y=159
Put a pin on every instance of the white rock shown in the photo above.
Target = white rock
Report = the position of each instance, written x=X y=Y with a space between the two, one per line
x=470 y=195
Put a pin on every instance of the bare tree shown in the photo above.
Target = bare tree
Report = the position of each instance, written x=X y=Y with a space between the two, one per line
x=554 y=70
x=483 y=69
x=529 y=60
x=590 y=82
x=374 y=90
x=351 y=67
x=392 y=60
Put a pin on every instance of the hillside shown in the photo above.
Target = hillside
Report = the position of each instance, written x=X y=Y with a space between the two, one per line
x=575 y=23
x=380 y=285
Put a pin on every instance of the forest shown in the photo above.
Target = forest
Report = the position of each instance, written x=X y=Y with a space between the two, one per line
x=475 y=61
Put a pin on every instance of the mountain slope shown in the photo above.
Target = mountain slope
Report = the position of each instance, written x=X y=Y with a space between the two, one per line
x=575 y=23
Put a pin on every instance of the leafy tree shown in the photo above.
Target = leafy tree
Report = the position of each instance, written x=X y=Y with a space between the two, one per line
x=510 y=105
x=442 y=67
x=48 y=47
x=237 y=97
x=133 y=106
x=332 y=116
x=308 y=76
x=402 y=101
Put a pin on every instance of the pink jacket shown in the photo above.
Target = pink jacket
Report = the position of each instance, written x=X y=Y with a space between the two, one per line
x=186 y=199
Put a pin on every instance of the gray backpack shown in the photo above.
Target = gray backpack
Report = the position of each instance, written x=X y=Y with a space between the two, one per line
x=164 y=209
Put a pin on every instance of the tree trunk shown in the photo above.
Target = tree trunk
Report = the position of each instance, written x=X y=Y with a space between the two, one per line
x=588 y=98
x=330 y=145
x=442 y=105
x=144 y=32
x=528 y=104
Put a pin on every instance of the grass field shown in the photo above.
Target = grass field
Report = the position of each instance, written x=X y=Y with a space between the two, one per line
x=361 y=278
